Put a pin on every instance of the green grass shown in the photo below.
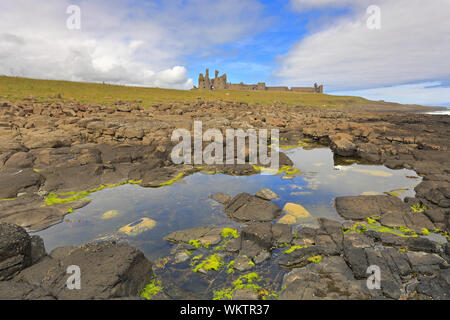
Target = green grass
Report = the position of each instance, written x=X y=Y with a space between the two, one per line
x=15 y=88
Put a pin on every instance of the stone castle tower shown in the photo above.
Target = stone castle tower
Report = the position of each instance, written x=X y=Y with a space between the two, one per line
x=220 y=83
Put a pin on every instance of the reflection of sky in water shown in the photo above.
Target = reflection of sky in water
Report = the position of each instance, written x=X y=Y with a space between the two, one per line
x=186 y=205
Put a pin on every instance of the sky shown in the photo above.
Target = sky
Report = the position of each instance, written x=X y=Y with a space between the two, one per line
x=392 y=50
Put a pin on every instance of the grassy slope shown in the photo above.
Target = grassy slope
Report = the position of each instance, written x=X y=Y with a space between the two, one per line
x=14 y=88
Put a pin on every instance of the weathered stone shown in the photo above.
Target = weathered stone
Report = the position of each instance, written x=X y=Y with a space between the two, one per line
x=37 y=249
x=245 y=294
x=204 y=235
x=13 y=290
x=245 y=207
x=108 y=270
x=243 y=263
x=427 y=263
x=282 y=233
x=15 y=250
x=221 y=197
x=362 y=207
x=23 y=180
x=299 y=257
x=341 y=144
x=330 y=279
x=266 y=194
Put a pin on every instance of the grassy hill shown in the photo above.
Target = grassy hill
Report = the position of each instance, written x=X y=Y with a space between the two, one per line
x=15 y=88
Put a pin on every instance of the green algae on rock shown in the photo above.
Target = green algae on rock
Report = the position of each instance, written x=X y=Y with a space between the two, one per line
x=245 y=282
x=229 y=233
x=213 y=262
x=151 y=289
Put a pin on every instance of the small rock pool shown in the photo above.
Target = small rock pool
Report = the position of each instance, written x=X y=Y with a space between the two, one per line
x=187 y=204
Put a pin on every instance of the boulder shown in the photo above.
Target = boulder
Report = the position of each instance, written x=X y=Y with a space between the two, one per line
x=22 y=180
x=362 y=207
x=245 y=207
x=342 y=144
x=266 y=194
x=15 y=250
x=107 y=270
x=204 y=235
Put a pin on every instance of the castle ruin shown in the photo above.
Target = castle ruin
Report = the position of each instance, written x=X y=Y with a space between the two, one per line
x=220 y=83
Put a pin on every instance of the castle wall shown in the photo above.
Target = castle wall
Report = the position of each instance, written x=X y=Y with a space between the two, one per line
x=220 y=83
x=303 y=89
x=277 y=88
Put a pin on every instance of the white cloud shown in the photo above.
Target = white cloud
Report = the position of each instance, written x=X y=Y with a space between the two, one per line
x=413 y=46
x=304 y=5
x=127 y=42
x=427 y=93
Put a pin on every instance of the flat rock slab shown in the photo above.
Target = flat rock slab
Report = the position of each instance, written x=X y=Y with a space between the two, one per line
x=13 y=290
x=205 y=235
x=362 y=207
x=266 y=194
x=221 y=197
x=330 y=279
x=32 y=215
x=108 y=270
x=12 y=183
x=245 y=207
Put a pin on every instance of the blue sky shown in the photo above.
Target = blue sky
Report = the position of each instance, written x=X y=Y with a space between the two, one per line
x=252 y=59
x=168 y=43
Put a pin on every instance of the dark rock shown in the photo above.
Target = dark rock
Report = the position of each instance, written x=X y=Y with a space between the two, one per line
x=362 y=207
x=23 y=180
x=108 y=270
x=37 y=249
x=243 y=263
x=245 y=294
x=15 y=250
x=397 y=262
x=233 y=245
x=390 y=282
x=386 y=238
x=327 y=244
x=259 y=232
x=206 y=235
x=422 y=244
x=307 y=235
x=299 y=257
x=266 y=194
x=437 y=214
x=425 y=263
x=437 y=287
x=330 y=279
x=221 y=197
x=357 y=261
x=245 y=207
x=282 y=233
x=256 y=238
x=13 y=290
x=262 y=256
x=334 y=229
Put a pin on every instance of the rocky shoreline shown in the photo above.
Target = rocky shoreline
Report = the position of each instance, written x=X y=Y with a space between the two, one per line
x=53 y=155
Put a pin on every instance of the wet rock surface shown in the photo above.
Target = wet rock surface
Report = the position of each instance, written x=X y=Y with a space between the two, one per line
x=107 y=270
x=245 y=207
x=48 y=149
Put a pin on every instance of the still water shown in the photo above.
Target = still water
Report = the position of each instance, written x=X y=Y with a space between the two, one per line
x=186 y=204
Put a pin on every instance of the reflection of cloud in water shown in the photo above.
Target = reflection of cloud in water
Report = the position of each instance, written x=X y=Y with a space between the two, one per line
x=185 y=204
x=375 y=173
x=354 y=179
